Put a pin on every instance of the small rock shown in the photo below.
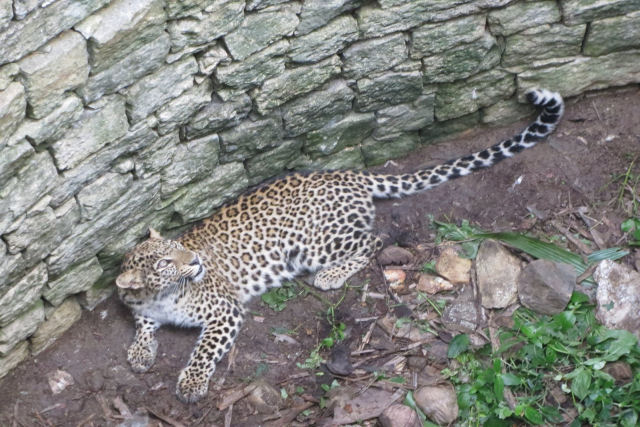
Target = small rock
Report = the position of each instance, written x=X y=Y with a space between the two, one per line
x=453 y=267
x=416 y=363
x=437 y=351
x=395 y=255
x=504 y=320
x=621 y=371
x=463 y=315
x=59 y=380
x=546 y=286
x=618 y=296
x=395 y=275
x=497 y=271
x=433 y=284
x=399 y=416
x=396 y=279
x=439 y=403
x=431 y=375
x=264 y=397
x=339 y=362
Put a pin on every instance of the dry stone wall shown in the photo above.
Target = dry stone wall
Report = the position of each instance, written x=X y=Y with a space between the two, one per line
x=119 y=114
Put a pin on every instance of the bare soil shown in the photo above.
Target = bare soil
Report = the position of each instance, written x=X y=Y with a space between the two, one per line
x=596 y=141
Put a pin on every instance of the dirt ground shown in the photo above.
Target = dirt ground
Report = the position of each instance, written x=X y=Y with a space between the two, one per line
x=597 y=139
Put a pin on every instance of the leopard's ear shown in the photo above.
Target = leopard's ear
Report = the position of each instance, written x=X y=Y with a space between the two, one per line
x=153 y=234
x=129 y=280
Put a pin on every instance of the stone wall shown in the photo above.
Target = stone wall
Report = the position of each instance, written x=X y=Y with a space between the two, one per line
x=119 y=114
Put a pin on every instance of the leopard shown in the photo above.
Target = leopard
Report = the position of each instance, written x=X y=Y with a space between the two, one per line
x=315 y=222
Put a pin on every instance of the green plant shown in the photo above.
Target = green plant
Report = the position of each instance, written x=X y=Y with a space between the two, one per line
x=429 y=267
x=326 y=388
x=465 y=234
x=276 y=298
x=632 y=227
x=437 y=305
x=335 y=335
x=628 y=184
x=545 y=356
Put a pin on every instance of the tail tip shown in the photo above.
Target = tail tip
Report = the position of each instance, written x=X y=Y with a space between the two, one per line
x=543 y=97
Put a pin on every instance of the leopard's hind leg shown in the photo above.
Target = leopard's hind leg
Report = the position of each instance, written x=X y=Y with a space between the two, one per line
x=334 y=276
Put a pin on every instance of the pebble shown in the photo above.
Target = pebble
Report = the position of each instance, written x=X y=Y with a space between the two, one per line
x=395 y=255
x=398 y=415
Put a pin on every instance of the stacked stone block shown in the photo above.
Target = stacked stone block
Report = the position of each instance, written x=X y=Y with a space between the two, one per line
x=120 y=114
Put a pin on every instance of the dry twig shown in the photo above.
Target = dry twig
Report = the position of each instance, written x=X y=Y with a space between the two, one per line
x=86 y=420
x=164 y=418
x=392 y=294
x=227 y=416
x=293 y=377
x=596 y=110
x=390 y=352
x=579 y=243
x=235 y=395
x=289 y=415
x=108 y=414
x=588 y=272
x=367 y=337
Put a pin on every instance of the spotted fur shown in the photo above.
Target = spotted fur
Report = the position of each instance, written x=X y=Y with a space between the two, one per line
x=319 y=222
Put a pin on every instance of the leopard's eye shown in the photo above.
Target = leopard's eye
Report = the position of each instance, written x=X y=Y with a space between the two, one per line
x=163 y=263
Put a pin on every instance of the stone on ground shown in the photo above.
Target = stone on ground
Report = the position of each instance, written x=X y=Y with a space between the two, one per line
x=453 y=267
x=497 y=272
x=546 y=286
x=59 y=380
x=618 y=296
x=265 y=398
x=433 y=284
x=399 y=416
x=339 y=362
x=464 y=314
x=395 y=255
x=439 y=403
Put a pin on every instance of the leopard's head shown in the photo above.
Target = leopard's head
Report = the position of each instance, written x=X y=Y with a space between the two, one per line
x=158 y=264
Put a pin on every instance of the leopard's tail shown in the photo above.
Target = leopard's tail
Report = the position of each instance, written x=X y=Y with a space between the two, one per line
x=383 y=185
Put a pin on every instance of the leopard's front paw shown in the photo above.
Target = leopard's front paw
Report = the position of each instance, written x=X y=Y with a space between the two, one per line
x=192 y=385
x=141 y=357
